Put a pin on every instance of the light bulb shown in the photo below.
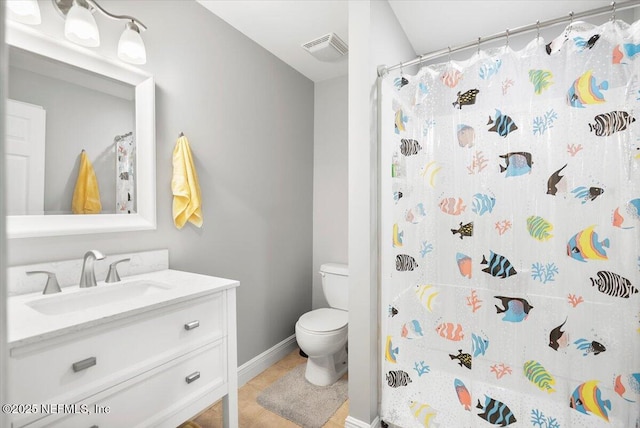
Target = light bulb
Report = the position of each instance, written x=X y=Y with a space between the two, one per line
x=25 y=11
x=130 y=46
x=80 y=27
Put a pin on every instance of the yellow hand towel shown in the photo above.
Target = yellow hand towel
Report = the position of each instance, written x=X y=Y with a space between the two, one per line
x=187 y=205
x=86 y=195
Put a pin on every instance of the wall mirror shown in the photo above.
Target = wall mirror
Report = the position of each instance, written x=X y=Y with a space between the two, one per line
x=64 y=99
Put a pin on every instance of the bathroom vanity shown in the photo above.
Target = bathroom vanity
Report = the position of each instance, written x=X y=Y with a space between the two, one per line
x=150 y=351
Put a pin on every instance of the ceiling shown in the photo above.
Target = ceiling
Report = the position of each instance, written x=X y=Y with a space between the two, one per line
x=282 y=27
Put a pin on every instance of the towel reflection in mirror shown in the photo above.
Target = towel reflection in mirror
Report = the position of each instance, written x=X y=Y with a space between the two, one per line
x=86 y=195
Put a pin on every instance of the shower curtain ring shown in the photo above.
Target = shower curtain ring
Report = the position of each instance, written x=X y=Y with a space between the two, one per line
x=570 y=21
x=538 y=30
x=613 y=11
x=479 y=38
x=449 y=47
x=507 y=38
x=401 y=71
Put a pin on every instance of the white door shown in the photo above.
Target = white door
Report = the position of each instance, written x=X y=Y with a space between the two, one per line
x=24 y=151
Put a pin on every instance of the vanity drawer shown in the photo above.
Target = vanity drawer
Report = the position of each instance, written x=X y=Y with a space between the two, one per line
x=152 y=397
x=103 y=356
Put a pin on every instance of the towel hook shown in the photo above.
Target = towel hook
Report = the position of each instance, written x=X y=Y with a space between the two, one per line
x=538 y=30
x=613 y=11
x=181 y=135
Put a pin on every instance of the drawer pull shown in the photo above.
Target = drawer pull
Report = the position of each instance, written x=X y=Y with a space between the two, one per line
x=191 y=325
x=192 y=377
x=84 y=364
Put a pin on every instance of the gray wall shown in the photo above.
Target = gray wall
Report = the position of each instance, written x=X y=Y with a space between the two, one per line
x=249 y=119
x=77 y=118
x=375 y=38
x=330 y=189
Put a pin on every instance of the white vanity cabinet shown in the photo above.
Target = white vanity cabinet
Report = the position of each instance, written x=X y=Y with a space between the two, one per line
x=155 y=366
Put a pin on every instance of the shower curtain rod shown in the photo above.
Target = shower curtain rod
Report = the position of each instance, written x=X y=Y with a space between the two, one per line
x=382 y=70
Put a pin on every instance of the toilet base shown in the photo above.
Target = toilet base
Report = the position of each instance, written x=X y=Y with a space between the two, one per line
x=324 y=371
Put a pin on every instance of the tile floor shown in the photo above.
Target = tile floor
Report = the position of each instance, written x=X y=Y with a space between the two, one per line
x=251 y=414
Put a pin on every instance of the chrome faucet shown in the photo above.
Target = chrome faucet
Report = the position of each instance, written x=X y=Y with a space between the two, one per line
x=88 y=276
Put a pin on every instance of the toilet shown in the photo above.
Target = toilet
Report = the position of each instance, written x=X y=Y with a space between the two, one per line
x=322 y=333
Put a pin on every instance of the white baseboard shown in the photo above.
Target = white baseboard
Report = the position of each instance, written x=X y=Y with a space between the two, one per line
x=260 y=363
x=352 y=422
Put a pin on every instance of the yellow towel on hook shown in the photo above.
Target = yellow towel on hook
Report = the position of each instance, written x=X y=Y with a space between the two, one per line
x=86 y=195
x=187 y=205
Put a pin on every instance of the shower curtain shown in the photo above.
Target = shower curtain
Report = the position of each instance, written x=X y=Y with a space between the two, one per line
x=510 y=250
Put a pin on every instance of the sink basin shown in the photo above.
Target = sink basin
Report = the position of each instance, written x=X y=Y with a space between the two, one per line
x=101 y=295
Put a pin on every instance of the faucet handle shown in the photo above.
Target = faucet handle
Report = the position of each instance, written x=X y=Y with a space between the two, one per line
x=52 y=285
x=113 y=276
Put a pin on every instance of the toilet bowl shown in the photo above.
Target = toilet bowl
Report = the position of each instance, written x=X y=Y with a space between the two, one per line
x=322 y=333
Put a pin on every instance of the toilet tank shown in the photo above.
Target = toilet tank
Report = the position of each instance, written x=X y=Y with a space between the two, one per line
x=335 y=284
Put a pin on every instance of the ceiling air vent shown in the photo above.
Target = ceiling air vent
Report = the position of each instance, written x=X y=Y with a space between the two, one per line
x=327 y=48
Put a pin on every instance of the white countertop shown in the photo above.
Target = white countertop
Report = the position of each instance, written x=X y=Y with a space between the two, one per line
x=27 y=325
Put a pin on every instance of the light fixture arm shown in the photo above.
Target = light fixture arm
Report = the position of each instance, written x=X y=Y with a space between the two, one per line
x=63 y=7
x=93 y=3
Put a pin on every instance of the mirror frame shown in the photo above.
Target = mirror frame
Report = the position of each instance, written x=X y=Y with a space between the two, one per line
x=29 y=226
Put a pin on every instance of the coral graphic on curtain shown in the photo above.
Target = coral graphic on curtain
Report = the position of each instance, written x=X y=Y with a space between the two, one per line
x=510 y=204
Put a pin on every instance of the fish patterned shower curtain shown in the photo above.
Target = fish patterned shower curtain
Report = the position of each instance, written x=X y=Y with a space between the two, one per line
x=510 y=236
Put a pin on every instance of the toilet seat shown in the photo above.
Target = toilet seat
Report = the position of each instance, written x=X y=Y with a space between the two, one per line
x=324 y=320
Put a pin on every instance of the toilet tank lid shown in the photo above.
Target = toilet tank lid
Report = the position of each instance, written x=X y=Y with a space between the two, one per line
x=335 y=268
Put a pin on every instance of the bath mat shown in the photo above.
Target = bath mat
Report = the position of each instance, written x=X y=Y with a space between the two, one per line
x=301 y=402
x=189 y=424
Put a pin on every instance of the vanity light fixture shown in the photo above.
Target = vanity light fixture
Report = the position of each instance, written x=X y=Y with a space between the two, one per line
x=81 y=28
x=25 y=11
x=130 y=46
